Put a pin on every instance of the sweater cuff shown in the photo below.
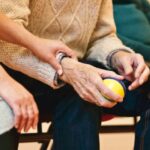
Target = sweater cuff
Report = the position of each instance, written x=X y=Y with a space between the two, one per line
x=109 y=57
x=57 y=81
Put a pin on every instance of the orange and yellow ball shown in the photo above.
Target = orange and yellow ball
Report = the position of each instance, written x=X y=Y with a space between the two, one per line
x=117 y=86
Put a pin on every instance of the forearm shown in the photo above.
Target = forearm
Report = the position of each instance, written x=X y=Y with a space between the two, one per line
x=15 y=33
x=104 y=40
x=3 y=74
x=22 y=60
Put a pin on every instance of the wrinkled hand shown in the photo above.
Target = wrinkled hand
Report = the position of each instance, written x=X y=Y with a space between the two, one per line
x=22 y=103
x=47 y=50
x=87 y=82
x=132 y=66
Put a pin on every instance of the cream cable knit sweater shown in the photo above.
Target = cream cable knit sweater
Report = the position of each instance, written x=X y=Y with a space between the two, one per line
x=86 y=26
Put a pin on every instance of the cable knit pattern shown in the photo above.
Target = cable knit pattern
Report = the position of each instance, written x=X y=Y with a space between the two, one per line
x=86 y=26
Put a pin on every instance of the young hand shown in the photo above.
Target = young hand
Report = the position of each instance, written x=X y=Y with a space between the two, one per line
x=20 y=100
x=47 y=50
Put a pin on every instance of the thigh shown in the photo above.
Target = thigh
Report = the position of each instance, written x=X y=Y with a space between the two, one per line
x=9 y=140
x=135 y=103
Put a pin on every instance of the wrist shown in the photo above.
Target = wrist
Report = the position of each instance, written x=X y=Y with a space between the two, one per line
x=32 y=43
x=68 y=66
x=117 y=55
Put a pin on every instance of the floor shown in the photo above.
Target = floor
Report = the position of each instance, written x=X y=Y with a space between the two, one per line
x=116 y=141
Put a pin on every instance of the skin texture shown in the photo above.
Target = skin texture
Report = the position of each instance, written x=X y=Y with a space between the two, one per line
x=45 y=49
x=132 y=66
x=22 y=102
x=87 y=80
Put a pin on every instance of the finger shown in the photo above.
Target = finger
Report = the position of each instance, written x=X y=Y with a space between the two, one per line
x=69 y=52
x=127 y=68
x=17 y=112
x=36 y=118
x=140 y=64
x=105 y=102
x=23 y=119
x=144 y=76
x=111 y=74
x=30 y=118
x=138 y=82
x=99 y=99
x=56 y=65
x=83 y=93
x=134 y=85
x=140 y=68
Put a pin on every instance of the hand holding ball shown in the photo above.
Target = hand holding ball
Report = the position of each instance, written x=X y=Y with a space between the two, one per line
x=117 y=86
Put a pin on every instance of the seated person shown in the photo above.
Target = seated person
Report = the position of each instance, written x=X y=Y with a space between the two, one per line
x=75 y=108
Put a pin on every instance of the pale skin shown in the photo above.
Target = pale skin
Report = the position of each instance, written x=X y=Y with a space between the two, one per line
x=87 y=80
x=45 y=49
x=22 y=102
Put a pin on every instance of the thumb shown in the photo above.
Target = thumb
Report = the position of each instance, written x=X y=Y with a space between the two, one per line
x=55 y=64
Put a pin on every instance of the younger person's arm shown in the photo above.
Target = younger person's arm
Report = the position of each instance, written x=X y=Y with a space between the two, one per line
x=44 y=49
x=20 y=100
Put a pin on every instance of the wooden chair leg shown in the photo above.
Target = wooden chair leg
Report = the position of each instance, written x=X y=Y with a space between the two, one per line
x=46 y=144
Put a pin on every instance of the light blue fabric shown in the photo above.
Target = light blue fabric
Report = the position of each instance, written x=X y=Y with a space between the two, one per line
x=6 y=117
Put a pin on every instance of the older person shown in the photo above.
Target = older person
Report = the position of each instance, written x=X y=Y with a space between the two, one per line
x=88 y=28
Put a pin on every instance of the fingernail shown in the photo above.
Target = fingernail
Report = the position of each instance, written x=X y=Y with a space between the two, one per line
x=141 y=81
x=60 y=72
x=130 y=88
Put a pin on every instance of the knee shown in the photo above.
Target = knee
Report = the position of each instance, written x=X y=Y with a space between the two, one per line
x=6 y=117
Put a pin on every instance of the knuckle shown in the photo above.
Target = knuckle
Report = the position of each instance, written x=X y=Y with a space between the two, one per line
x=85 y=95
x=105 y=92
x=102 y=103
x=30 y=96
x=139 y=55
x=25 y=116
x=31 y=116
x=18 y=114
x=17 y=101
x=36 y=113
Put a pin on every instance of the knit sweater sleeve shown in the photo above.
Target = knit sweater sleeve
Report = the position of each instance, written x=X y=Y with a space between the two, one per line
x=19 y=58
x=104 y=40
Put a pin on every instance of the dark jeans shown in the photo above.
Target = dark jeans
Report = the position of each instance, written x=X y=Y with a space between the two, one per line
x=76 y=122
x=9 y=140
x=136 y=103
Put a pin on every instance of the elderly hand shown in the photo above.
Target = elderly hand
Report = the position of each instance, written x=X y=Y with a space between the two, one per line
x=87 y=82
x=132 y=66
x=21 y=102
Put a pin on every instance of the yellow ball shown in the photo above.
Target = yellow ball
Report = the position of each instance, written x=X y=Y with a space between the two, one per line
x=115 y=85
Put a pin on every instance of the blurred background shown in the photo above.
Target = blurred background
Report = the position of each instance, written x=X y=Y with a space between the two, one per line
x=109 y=141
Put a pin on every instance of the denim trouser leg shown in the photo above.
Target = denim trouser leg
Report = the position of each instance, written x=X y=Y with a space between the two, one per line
x=76 y=125
x=76 y=122
x=136 y=104
x=9 y=140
